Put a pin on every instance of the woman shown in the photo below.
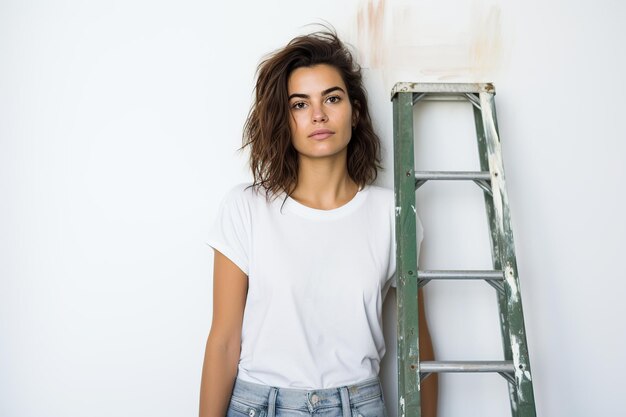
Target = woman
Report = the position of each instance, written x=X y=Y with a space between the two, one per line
x=305 y=255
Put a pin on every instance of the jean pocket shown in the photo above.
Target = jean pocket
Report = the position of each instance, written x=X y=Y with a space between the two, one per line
x=374 y=407
x=241 y=408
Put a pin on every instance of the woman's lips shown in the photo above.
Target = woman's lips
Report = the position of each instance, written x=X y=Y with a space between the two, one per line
x=321 y=134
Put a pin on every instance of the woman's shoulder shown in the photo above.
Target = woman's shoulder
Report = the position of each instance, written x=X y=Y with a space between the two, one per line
x=239 y=190
x=236 y=195
x=381 y=193
x=380 y=198
x=244 y=193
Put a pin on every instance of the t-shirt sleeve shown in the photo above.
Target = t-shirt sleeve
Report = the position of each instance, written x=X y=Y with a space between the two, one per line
x=419 y=232
x=230 y=232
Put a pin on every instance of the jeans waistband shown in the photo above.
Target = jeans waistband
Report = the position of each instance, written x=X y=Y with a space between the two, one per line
x=299 y=399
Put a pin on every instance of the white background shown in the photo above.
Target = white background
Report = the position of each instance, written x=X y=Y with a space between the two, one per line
x=119 y=124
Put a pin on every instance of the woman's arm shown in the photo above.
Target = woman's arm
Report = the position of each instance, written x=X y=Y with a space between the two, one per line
x=429 y=388
x=223 y=347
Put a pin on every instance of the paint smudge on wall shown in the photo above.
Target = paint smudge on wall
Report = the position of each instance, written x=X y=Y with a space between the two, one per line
x=426 y=40
x=486 y=45
x=370 y=37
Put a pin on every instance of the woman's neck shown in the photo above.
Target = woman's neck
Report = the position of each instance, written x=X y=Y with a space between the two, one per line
x=324 y=183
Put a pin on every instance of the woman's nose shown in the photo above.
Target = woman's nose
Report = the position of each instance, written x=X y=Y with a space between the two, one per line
x=319 y=115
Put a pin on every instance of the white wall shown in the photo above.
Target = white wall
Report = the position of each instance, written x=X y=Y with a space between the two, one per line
x=119 y=122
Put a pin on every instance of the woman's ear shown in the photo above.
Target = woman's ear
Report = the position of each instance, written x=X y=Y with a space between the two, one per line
x=355 y=113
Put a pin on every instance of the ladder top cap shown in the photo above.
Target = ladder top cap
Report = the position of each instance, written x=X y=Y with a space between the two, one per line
x=442 y=88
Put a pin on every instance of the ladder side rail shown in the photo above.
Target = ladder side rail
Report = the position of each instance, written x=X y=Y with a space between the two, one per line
x=525 y=405
x=409 y=402
x=495 y=254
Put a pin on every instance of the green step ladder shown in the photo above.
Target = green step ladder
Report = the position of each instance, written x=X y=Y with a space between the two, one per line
x=515 y=367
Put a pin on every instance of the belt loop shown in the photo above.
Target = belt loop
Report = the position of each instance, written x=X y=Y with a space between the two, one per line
x=345 y=402
x=271 y=402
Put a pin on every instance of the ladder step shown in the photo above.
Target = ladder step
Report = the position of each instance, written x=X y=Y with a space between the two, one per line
x=449 y=88
x=466 y=366
x=488 y=275
x=453 y=175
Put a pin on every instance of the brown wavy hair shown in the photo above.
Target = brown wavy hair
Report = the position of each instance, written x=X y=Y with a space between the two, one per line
x=273 y=158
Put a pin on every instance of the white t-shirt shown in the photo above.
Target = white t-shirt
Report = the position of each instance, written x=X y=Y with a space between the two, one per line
x=316 y=284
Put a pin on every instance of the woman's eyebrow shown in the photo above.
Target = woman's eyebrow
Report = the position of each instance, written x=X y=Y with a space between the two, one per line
x=331 y=89
x=325 y=92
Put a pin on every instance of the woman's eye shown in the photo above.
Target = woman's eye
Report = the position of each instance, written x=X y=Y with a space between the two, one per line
x=333 y=99
x=298 y=105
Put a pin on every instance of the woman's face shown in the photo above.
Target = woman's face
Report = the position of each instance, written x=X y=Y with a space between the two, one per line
x=321 y=113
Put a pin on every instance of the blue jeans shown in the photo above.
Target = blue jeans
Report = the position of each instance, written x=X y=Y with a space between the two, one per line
x=364 y=399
